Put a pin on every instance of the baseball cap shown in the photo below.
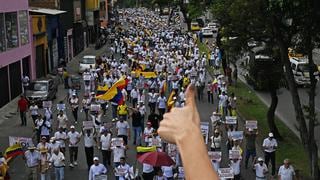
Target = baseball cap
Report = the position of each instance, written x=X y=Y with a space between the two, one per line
x=148 y=123
x=250 y=129
x=260 y=159
x=72 y=127
x=96 y=159
x=271 y=134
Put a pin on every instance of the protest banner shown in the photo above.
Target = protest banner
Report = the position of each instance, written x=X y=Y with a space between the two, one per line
x=86 y=77
x=252 y=124
x=225 y=173
x=46 y=104
x=215 y=155
x=116 y=142
x=205 y=131
x=95 y=107
x=232 y=120
x=24 y=141
x=61 y=107
x=87 y=124
x=234 y=154
x=237 y=135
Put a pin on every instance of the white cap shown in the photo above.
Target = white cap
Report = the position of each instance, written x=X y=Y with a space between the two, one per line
x=250 y=129
x=96 y=159
x=72 y=127
x=260 y=159
x=271 y=134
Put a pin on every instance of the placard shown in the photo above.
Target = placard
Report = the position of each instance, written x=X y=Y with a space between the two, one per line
x=193 y=74
x=46 y=104
x=215 y=155
x=225 y=173
x=252 y=124
x=215 y=118
x=61 y=107
x=24 y=141
x=234 y=154
x=120 y=171
x=155 y=142
x=205 y=131
x=95 y=107
x=116 y=142
x=86 y=77
x=172 y=150
x=87 y=124
x=180 y=172
x=231 y=120
x=237 y=135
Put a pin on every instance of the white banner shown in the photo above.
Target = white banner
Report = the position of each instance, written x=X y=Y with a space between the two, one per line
x=25 y=141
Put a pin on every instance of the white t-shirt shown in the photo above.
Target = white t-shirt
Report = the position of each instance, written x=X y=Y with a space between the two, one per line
x=147 y=132
x=162 y=102
x=62 y=136
x=260 y=169
x=286 y=173
x=235 y=166
x=62 y=121
x=122 y=127
x=105 y=141
x=270 y=145
x=34 y=109
x=147 y=168
x=223 y=100
x=57 y=160
x=215 y=141
x=73 y=138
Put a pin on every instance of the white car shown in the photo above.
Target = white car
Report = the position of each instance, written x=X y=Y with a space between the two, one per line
x=206 y=31
x=86 y=62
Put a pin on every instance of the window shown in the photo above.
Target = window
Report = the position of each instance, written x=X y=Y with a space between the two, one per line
x=23 y=21
x=2 y=33
x=11 y=30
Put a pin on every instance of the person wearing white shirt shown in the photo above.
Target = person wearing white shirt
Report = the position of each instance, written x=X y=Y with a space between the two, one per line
x=96 y=169
x=223 y=105
x=105 y=143
x=43 y=144
x=122 y=170
x=74 y=139
x=89 y=141
x=57 y=159
x=235 y=166
x=148 y=171
x=43 y=126
x=167 y=172
x=62 y=120
x=270 y=145
x=147 y=133
x=34 y=111
x=286 y=171
x=32 y=158
x=161 y=104
x=61 y=137
x=261 y=169
x=123 y=130
x=153 y=97
x=134 y=96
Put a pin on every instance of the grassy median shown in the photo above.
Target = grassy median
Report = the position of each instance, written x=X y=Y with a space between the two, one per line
x=250 y=107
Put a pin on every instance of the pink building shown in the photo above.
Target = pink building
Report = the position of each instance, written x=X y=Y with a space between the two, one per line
x=15 y=48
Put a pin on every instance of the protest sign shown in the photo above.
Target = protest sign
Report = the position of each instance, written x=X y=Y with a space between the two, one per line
x=95 y=107
x=215 y=155
x=116 y=142
x=252 y=124
x=205 y=131
x=231 y=120
x=46 y=104
x=234 y=154
x=120 y=171
x=155 y=142
x=225 y=173
x=87 y=124
x=86 y=77
x=237 y=135
x=61 y=107
x=24 y=141
x=215 y=118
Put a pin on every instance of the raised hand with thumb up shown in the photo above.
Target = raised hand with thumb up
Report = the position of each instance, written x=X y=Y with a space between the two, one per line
x=181 y=126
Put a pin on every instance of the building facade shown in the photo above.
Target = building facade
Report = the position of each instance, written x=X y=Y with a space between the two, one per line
x=93 y=19
x=15 y=48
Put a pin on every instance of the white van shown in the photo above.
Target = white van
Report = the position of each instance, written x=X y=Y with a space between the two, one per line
x=86 y=62
x=300 y=69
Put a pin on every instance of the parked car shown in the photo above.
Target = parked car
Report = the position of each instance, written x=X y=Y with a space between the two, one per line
x=42 y=90
x=86 y=62
x=206 y=31
x=195 y=26
x=300 y=69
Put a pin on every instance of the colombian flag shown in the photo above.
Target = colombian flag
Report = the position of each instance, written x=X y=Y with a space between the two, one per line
x=118 y=98
x=113 y=91
x=102 y=89
x=13 y=151
x=170 y=100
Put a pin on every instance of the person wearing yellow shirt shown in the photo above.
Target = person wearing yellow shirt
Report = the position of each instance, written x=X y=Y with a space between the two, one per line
x=122 y=111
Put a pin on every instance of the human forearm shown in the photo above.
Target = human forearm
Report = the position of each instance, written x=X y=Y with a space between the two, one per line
x=195 y=157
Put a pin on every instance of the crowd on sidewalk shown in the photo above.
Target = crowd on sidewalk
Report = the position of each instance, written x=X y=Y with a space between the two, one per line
x=156 y=65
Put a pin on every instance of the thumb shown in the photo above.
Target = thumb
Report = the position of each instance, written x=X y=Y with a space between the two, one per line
x=190 y=96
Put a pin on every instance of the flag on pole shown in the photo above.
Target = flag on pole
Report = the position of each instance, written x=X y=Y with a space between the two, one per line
x=13 y=151
x=113 y=91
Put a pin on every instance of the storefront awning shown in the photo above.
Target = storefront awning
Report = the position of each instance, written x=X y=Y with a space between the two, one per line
x=46 y=11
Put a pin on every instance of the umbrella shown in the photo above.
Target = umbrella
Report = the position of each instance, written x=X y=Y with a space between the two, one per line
x=156 y=159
